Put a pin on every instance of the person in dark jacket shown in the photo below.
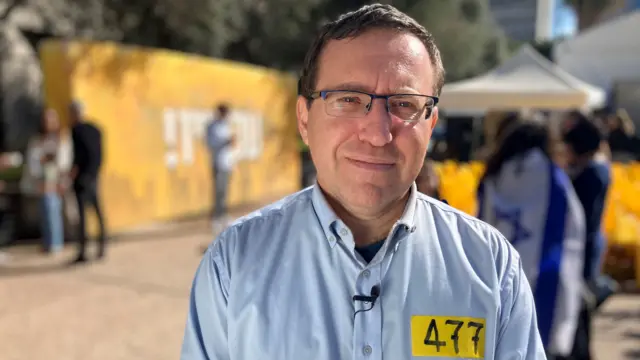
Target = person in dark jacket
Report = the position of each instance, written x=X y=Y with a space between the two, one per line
x=87 y=161
x=591 y=179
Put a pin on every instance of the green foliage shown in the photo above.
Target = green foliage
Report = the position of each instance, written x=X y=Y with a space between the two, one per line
x=280 y=31
x=273 y=33
x=468 y=40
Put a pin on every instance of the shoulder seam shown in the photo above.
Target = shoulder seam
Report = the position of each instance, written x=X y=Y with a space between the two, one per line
x=474 y=220
x=272 y=212
x=462 y=214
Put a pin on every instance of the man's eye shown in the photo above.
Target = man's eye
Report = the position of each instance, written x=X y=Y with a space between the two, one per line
x=349 y=100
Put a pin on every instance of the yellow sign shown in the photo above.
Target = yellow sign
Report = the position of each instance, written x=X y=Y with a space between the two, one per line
x=448 y=336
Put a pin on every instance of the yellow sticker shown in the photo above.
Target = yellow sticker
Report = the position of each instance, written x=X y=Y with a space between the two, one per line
x=447 y=336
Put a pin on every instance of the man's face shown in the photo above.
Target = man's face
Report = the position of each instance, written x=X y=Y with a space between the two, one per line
x=367 y=163
x=51 y=122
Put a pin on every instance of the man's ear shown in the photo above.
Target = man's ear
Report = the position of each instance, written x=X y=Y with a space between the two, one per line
x=434 y=118
x=302 y=113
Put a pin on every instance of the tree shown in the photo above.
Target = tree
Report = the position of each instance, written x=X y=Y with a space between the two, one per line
x=196 y=26
x=469 y=41
x=279 y=32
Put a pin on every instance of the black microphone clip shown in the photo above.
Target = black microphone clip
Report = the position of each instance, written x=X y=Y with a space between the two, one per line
x=375 y=294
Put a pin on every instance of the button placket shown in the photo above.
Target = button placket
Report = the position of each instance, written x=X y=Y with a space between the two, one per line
x=368 y=324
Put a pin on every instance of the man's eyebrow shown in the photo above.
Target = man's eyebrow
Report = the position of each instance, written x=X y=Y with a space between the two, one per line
x=354 y=86
x=349 y=86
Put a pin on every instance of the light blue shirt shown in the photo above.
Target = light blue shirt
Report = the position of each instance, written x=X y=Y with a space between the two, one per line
x=278 y=284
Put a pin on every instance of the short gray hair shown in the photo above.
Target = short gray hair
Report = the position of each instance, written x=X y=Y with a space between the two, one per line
x=355 y=23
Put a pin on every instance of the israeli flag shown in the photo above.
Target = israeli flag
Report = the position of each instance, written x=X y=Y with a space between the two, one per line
x=533 y=204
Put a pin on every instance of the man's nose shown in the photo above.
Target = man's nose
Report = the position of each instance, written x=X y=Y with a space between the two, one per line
x=375 y=127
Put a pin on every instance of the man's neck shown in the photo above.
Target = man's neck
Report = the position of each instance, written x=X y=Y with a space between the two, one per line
x=373 y=227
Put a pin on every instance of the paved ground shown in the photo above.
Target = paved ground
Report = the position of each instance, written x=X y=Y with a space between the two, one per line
x=132 y=306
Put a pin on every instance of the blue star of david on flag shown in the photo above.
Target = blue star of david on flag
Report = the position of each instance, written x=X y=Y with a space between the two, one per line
x=513 y=218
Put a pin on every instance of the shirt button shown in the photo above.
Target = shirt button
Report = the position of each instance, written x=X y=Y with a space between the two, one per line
x=366 y=273
x=367 y=350
x=344 y=232
x=332 y=239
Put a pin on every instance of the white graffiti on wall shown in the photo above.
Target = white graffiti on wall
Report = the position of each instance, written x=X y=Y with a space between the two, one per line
x=184 y=127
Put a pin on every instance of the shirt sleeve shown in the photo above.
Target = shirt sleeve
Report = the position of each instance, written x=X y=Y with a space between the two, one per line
x=518 y=337
x=206 y=335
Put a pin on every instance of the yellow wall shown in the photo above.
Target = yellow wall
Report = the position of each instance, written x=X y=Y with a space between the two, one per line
x=152 y=106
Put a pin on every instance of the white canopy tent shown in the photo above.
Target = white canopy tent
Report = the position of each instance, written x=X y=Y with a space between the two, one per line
x=525 y=81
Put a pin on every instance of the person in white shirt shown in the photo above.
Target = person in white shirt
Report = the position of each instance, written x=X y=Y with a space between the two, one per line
x=220 y=140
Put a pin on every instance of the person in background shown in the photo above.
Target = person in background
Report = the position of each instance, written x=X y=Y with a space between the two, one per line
x=220 y=141
x=85 y=173
x=504 y=123
x=530 y=200
x=591 y=179
x=51 y=183
x=621 y=137
x=428 y=181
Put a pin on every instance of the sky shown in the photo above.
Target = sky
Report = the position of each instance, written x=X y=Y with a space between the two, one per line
x=565 y=21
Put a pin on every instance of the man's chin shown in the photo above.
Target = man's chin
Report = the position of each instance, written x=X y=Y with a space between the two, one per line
x=370 y=195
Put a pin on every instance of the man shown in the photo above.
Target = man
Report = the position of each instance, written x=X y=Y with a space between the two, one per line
x=361 y=265
x=87 y=160
x=591 y=178
x=220 y=142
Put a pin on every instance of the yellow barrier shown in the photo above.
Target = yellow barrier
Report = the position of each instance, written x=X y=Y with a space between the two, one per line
x=153 y=105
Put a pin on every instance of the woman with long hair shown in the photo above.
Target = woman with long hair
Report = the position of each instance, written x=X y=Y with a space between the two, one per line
x=531 y=201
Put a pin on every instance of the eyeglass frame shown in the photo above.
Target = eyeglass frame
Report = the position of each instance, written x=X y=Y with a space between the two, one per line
x=323 y=94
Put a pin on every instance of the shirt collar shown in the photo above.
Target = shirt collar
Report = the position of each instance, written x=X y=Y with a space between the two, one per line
x=325 y=213
x=328 y=217
x=408 y=218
